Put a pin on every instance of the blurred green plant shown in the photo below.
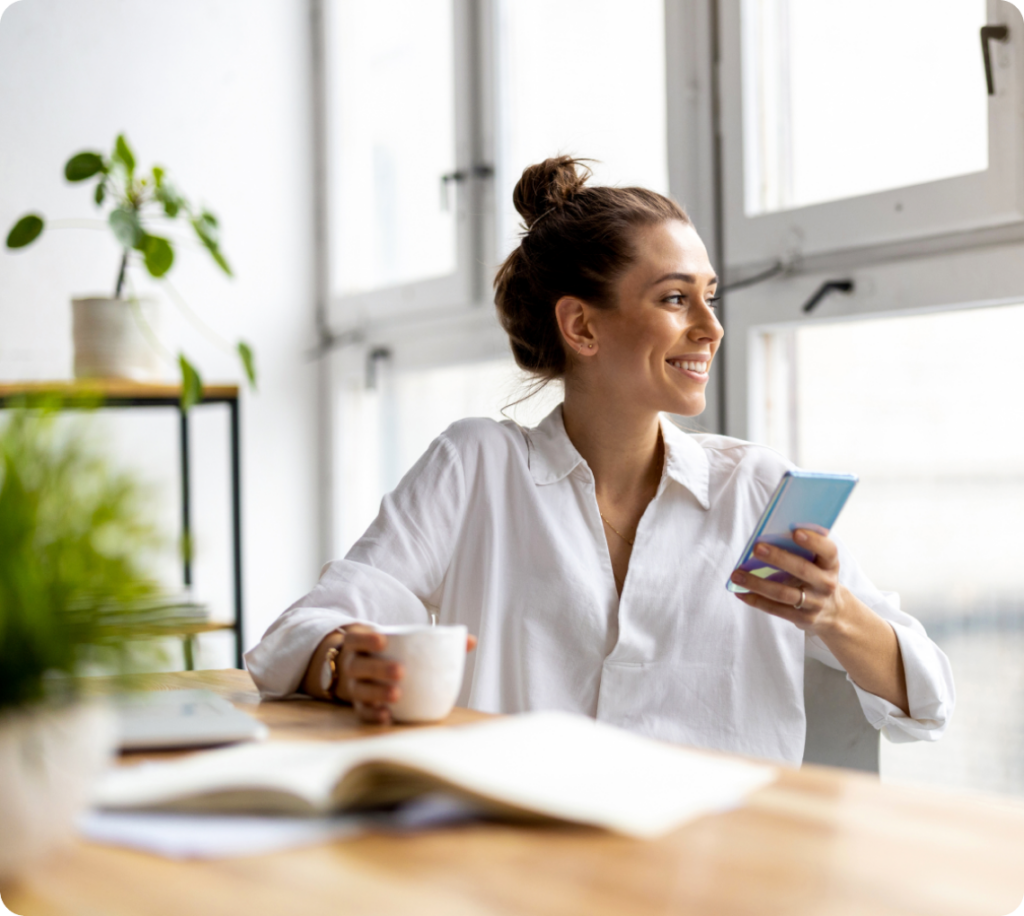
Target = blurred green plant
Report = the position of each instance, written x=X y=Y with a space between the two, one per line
x=74 y=541
x=135 y=201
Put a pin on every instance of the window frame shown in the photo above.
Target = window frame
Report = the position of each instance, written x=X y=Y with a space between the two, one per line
x=950 y=209
x=359 y=314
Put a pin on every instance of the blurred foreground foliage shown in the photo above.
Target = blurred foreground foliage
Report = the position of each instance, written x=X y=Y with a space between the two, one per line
x=75 y=540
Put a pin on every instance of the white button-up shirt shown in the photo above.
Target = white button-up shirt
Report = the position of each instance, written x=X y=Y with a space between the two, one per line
x=497 y=527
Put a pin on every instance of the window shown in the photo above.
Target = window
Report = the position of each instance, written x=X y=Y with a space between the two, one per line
x=394 y=138
x=852 y=125
x=585 y=81
x=917 y=406
x=399 y=99
x=821 y=125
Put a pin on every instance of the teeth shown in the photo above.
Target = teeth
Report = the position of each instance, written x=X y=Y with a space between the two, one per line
x=691 y=366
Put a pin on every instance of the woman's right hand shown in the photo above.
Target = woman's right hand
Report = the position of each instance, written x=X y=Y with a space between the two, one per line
x=366 y=681
x=363 y=679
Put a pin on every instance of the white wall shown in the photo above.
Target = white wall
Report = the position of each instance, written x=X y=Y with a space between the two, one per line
x=217 y=91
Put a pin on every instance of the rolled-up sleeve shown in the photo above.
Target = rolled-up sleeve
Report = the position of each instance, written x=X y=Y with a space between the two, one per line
x=390 y=575
x=930 y=689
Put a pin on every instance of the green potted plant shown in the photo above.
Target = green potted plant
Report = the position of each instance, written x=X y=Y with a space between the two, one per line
x=116 y=337
x=73 y=582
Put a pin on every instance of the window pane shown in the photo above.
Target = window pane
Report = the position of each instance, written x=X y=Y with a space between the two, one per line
x=842 y=99
x=925 y=410
x=588 y=80
x=391 y=99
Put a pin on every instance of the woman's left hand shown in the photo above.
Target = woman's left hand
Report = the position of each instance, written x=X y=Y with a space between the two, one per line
x=812 y=598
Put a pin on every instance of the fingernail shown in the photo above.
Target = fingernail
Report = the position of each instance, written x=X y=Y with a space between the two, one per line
x=800 y=537
x=739 y=576
x=761 y=550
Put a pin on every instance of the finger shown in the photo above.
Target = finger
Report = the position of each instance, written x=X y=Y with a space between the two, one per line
x=789 y=562
x=785 y=611
x=821 y=545
x=373 y=693
x=373 y=714
x=791 y=593
x=470 y=642
x=371 y=668
x=364 y=640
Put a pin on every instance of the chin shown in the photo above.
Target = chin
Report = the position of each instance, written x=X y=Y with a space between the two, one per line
x=689 y=407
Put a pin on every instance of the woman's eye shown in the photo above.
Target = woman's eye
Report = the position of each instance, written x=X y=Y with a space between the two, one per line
x=675 y=298
x=712 y=302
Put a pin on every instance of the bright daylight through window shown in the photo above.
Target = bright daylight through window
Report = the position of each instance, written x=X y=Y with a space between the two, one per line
x=392 y=137
x=918 y=407
x=845 y=99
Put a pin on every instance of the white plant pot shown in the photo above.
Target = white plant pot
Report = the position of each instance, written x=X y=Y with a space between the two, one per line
x=109 y=341
x=50 y=759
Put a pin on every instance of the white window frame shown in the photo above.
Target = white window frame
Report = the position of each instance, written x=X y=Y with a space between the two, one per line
x=952 y=208
x=362 y=314
x=966 y=278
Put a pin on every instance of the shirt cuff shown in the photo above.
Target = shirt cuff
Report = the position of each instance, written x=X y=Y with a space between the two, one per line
x=278 y=662
x=930 y=692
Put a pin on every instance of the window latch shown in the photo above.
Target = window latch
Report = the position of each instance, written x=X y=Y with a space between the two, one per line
x=477 y=171
x=829 y=286
x=988 y=34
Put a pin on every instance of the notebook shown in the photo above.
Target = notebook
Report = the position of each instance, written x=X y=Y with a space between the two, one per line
x=543 y=765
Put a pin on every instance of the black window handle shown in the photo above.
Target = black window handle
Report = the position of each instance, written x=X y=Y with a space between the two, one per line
x=478 y=171
x=988 y=33
x=829 y=286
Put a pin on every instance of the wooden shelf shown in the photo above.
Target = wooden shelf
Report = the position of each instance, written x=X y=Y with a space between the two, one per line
x=113 y=388
x=180 y=629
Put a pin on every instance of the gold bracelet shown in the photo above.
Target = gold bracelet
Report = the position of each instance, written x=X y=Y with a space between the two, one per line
x=329 y=675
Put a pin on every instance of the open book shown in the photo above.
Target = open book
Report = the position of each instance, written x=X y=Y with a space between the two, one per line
x=546 y=765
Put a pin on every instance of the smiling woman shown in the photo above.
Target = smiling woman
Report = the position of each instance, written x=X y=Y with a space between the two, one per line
x=590 y=554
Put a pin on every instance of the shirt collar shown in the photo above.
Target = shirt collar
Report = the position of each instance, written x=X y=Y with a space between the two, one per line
x=553 y=457
x=686 y=462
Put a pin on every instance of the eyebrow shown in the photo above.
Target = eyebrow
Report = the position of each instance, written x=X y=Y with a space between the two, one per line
x=686 y=278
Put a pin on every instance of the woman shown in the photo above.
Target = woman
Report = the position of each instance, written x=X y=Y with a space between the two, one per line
x=590 y=554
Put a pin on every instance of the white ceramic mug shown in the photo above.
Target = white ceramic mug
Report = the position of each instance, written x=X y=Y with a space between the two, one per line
x=433 y=659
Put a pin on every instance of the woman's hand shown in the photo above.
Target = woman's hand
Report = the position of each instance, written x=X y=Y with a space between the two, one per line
x=812 y=598
x=362 y=678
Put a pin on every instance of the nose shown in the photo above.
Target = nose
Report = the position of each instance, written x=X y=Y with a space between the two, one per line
x=706 y=327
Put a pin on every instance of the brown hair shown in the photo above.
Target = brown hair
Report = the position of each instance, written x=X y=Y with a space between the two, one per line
x=578 y=242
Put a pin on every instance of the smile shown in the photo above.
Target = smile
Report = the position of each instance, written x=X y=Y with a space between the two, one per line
x=695 y=369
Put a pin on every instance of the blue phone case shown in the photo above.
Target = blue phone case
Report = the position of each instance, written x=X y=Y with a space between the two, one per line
x=803 y=499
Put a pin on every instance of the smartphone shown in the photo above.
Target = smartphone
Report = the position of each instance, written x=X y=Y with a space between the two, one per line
x=803 y=499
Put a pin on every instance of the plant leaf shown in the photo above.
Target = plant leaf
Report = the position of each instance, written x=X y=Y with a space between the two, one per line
x=158 y=175
x=249 y=362
x=83 y=165
x=126 y=227
x=206 y=228
x=101 y=193
x=25 y=231
x=158 y=254
x=168 y=195
x=191 y=384
x=123 y=153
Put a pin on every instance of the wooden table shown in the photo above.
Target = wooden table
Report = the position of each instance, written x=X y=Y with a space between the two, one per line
x=820 y=842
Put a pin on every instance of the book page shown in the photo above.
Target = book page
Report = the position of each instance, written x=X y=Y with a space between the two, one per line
x=553 y=764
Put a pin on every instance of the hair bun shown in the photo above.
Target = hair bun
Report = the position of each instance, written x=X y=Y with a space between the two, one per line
x=549 y=184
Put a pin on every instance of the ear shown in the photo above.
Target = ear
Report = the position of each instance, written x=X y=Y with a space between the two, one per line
x=573 y=317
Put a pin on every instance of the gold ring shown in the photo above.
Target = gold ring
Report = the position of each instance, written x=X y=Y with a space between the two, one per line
x=803 y=598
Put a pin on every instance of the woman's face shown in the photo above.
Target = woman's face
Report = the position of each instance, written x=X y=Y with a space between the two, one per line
x=655 y=348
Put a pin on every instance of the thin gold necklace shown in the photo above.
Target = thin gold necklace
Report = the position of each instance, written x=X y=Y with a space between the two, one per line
x=616 y=530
